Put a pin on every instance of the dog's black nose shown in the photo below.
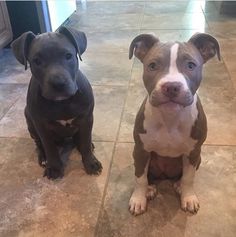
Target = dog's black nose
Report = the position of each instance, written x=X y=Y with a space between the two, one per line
x=58 y=83
x=171 y=89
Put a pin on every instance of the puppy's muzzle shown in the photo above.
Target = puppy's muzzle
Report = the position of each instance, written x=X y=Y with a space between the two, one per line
x=171 y=92
x=59 y=86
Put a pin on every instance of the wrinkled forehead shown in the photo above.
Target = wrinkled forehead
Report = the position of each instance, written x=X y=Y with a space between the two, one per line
x=187 y=51
x=159 y=50
x=50 y=42
x=179 y=50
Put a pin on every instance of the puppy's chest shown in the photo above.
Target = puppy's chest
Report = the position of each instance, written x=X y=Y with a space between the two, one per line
x=65 y=127
x=67 y=123
x=169 y=137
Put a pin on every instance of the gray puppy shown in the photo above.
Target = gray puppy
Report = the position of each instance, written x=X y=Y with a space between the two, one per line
x=60 y=100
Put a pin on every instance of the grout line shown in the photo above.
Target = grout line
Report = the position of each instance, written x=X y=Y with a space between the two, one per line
x=26 y=138
x=108 y=85
x=219 y=145
x=9 y=108
x=121 y=142
x=206 y=20
x=14 y=83
x=142 y=17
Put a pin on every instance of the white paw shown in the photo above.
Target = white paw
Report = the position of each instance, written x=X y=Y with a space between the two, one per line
x=190 y=203
x=138 y=203
x=151 y=192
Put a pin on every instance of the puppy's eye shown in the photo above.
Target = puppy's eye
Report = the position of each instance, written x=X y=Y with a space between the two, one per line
x=68 y=56
x=153 y=66
x=37 y=61
x=191 y=66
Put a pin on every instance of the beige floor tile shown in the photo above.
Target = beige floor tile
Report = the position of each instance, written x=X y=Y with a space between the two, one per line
x=9 y=94
x=34 y=206
x=221 y=25
x=164 y=217
x=177 y=21
x=111 y=41
x=219 y=98
x=13 y=124
x=11 y=71
x=229 y=57
x=107 y=68
x=88 y=8
x=171 y=7
x=109 y=102
x=135 y=97
x=101 y=23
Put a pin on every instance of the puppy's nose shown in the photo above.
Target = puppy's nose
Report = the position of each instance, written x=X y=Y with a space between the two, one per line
x=58 y=83
x=171 y=89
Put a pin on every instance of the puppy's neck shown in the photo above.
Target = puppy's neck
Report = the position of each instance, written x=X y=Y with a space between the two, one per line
x=171 y=115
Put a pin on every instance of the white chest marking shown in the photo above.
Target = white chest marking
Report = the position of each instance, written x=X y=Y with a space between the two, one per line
x=65 y=122
x=168 y=129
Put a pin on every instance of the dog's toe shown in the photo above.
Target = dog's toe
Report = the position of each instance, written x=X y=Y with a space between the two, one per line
x=51 y=173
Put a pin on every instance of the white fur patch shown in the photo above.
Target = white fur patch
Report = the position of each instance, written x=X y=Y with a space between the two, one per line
x=168 y=129
x=65 y=122
x=189 y=200
x=174 y=75
x=138 y=200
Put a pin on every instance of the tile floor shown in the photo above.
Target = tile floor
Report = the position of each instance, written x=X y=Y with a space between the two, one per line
x=82 y=206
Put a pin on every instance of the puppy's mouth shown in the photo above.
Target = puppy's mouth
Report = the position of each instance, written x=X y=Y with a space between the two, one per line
x=157 y=98
x=170 y=102
x=63 y=94
x=59 y=97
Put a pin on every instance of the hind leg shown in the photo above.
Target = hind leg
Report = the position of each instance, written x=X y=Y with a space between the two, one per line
x=151 y=192
x=34 y=135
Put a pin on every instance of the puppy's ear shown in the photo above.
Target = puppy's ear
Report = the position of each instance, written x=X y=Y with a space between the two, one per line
x=207 y=45
x=141 y=45
x=20 y=47
x=77 y=38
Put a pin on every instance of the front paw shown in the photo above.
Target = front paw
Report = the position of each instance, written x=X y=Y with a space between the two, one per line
x=92 y=165
x=190 y=203
x=52 y=173
x=137 y=203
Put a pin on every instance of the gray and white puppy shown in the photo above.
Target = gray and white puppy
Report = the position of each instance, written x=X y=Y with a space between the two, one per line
x=170 y=126
x=60 y=99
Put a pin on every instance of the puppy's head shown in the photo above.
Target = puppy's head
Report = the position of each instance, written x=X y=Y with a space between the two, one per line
x=172 y=72
x=53 y=60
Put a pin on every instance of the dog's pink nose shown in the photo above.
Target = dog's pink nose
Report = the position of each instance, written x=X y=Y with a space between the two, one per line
x=171 y=89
